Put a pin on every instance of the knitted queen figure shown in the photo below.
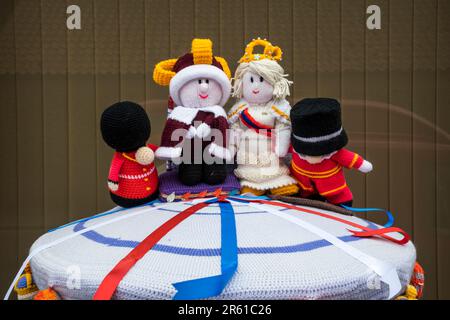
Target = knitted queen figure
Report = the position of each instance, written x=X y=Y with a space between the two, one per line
x=260 y=122
x=195 y=132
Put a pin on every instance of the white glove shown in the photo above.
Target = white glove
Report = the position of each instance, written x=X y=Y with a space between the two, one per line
x=203 y=130
x=168 y=153
x=145 y=156
x=366 y=167
x=191 y=132
x=113 y=186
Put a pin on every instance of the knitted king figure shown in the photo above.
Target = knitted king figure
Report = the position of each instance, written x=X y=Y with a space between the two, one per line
x=195 y=132
x=318 y=141
x=133 y=178
x=260 y=122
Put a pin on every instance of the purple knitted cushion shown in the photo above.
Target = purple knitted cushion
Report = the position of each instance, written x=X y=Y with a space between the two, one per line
x=171 y=189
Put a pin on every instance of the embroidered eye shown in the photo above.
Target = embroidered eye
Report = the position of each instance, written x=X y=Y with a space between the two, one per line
x=251 y=79
x=207 y=80
x=200 y=81
x=261 y=79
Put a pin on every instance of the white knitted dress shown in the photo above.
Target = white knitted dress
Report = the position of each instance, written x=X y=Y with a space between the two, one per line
x=259 y=165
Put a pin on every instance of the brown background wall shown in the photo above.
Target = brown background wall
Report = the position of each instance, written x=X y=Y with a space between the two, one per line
x=394 y=85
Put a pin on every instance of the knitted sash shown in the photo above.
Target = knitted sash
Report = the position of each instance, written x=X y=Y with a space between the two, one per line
x=253 y=124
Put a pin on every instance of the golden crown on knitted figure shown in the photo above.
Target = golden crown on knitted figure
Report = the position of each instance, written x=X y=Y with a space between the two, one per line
x=270 y=52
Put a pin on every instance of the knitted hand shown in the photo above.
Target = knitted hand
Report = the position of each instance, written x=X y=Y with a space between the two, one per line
x=168 y=153
x=113 y=186
x=203 y=130
x=366 y=167
x=191 y=132
x=145 y=156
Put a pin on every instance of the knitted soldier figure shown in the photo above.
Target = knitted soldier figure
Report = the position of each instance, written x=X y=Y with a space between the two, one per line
x=195 y=132
x=133 y=178
x=318 y=141
x=260 y=122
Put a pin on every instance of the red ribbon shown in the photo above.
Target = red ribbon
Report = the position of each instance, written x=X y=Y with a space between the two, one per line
x=109 y=284
x=366 y=233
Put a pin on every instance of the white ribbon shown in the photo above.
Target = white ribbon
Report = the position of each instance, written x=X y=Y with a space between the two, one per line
x=385 y=270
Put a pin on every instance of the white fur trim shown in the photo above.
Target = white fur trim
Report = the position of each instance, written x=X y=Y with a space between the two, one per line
x=145 y=156
x=168 y=153
x=187 y=115
x=220 y=152
x=196 y=72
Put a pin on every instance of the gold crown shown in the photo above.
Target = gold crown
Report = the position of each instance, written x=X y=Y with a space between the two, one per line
x=202 y=52
x=270 y=52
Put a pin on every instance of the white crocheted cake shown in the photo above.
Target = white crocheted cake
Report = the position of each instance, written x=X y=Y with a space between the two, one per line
x=277 y=259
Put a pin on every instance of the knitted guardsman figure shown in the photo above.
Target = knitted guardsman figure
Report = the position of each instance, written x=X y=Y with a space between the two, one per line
x=195 y=132
x=318 y=140
x=133 y=178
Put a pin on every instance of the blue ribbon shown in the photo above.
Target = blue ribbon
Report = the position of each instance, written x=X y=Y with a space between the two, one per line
x=100 y=215
x=214 y=285
x=388 y=224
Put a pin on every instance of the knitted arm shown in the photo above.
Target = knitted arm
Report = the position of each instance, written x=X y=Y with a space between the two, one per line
x=282 y=138
x=173 y=134
x=235 y=136
x=114 y=170
x=350 y=160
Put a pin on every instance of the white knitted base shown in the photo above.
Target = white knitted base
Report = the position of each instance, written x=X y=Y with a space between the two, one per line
x=277 y=259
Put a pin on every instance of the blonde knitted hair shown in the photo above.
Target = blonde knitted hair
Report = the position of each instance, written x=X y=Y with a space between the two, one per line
x=270 y=70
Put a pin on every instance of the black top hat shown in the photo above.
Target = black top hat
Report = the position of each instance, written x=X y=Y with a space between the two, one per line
x=317 y=127
x=125 y=126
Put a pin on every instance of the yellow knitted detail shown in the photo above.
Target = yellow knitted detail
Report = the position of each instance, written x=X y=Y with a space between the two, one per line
x=236 y=111
x=256 y=192
x=202 y=51
x=29 y=291
x=281 y=113
x=162 y=73
x=410 y=293
x=225 y=66
x=270 y=52
x=288 y=190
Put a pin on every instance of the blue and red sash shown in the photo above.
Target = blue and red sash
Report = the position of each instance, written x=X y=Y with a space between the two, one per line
x=251 y=123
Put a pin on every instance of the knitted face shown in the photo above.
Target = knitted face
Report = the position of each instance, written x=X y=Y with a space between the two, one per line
x=256 y=89
x=200 y=93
